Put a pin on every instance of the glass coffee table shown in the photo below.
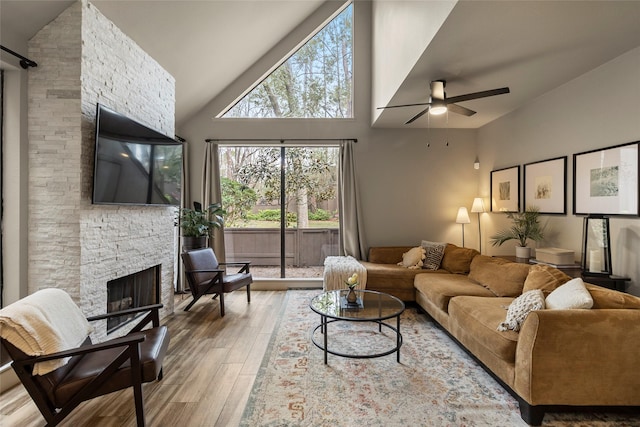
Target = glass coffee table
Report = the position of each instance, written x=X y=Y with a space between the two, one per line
x=372 y=306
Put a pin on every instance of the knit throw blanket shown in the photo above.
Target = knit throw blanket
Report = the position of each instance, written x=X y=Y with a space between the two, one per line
x=337 y=269
x=45 y=322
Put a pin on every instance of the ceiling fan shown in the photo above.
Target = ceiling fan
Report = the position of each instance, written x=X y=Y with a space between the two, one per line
x=440 y=104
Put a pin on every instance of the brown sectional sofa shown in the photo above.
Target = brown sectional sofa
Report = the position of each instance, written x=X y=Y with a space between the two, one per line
x=559 y=358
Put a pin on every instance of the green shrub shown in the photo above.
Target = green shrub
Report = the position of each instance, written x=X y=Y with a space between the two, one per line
x=320 y=215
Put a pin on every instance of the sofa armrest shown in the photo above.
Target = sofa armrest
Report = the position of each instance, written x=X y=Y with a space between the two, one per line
x=579 y=357
x=387 y=254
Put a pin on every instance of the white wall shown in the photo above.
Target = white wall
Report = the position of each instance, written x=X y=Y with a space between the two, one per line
x=597 y=110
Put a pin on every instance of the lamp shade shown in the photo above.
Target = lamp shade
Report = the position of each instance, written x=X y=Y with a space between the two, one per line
x=463 y=216
x=478 y=205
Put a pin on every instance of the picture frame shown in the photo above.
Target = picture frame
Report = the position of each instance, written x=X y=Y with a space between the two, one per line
x=505 y=189
x=605 y=181
x=545 y=185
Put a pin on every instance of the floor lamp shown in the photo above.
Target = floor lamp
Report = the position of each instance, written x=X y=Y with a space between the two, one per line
x=463 y=218
x=478 y=207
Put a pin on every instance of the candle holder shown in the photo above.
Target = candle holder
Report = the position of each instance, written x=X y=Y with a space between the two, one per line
x=596 y=246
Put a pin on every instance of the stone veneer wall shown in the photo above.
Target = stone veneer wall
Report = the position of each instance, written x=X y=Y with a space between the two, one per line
x=83 y=59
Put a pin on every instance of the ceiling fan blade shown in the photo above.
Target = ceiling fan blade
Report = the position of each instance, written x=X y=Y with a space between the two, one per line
x=417 y=116
x=455 y=108
x=476 y=95
x=403 y=105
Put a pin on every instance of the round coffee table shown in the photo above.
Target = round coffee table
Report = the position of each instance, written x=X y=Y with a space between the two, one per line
x=372 y=306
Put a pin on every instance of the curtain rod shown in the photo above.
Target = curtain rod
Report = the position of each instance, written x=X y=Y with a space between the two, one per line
x=280 y=139
x=24 y=62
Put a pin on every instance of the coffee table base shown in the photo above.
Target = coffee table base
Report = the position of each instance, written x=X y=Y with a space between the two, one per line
x=324 y=322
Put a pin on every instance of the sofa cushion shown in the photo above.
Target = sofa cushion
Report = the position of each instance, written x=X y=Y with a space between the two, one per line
x=413 y=258
x=608 y=298
x=457 y=260
x=440 y=288
x=545 y=278
x=520 y=308
x=502 y=277
x=387 y=254
x=480 y=316
x=434 y=253
x=571 y=295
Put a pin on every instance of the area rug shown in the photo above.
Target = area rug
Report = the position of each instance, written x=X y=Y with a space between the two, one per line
x=435 y=384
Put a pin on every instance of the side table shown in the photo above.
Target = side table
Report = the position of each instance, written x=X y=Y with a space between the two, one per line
x=618 y=283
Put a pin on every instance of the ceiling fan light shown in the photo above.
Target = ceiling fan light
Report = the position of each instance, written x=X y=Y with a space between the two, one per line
x=437 y=110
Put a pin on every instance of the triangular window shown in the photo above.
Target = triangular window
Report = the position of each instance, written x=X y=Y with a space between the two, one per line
x=314 y=82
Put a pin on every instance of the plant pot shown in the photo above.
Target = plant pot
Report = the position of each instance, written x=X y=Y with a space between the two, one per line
x=523 y=252
x=189 y=243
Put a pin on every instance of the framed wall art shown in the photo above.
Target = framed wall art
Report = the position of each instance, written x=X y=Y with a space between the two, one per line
x=605 y=181
x=505 y=190
x=545 y=185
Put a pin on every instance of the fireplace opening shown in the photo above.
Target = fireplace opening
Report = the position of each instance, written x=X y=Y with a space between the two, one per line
x=135 y=290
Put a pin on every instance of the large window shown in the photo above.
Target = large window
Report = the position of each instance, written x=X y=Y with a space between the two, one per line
x=315 y=82
x=282 y=210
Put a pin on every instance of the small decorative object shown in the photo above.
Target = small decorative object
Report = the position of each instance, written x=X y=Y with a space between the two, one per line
x=526 y=226
x=505 y=190
x=596 y=246
x=352 y=282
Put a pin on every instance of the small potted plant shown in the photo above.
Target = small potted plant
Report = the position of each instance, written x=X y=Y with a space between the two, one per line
x=197 y=225
x=526 y=226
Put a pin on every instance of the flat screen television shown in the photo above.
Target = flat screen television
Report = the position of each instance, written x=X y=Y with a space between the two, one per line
x=134 y=164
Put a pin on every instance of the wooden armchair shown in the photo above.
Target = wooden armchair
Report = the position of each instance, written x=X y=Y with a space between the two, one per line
x=92 y=370
x=205 y=276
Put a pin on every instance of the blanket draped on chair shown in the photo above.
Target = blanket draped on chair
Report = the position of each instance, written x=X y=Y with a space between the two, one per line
x=337 y=269
x=42 y=323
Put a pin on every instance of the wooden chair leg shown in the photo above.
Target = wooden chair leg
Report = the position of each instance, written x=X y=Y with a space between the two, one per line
x=195 y=299
x=248 y=294
x=221 y=304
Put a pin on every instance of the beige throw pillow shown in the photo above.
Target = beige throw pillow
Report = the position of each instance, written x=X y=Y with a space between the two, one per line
x=520 y=308
x=571 y=295
x=413 y=258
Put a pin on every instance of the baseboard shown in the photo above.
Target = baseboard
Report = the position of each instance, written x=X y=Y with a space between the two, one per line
x=8 y=378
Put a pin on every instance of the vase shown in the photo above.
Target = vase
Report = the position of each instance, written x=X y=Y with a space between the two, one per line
x=352 y=297
x=523 y=252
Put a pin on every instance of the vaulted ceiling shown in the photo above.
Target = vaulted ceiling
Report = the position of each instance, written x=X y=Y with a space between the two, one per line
x=530 y=46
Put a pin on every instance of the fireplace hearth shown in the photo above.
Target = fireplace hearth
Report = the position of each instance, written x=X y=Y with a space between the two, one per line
x=135 y=290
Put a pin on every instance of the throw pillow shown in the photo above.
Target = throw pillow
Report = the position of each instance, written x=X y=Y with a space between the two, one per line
x=413 y=258
x=457 y=260
x=434 y=253
x=520 y=308
x=608 y=298
x=545 y=278
x=502 y=277
x=572 y=294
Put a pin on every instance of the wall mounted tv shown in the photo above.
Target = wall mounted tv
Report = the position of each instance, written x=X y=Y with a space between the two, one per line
x=134 y=164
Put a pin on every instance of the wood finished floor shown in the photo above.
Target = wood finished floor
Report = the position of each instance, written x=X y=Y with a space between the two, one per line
x=209 y=370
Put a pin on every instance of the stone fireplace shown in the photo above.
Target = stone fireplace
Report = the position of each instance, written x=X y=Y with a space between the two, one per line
x=134 y=290
x=83 y=59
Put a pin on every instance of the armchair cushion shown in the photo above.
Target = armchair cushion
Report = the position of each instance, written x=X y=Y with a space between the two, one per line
x=45 y=322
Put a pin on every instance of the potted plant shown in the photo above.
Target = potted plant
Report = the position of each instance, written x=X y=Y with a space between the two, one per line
x=526 y=226
x=196 y=225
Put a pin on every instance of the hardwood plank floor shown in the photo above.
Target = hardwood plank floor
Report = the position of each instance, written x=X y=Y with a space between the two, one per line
x=209 y=370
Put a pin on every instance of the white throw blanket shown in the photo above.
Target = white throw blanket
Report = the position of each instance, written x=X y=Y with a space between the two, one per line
x=45 y=322
x=337 y=269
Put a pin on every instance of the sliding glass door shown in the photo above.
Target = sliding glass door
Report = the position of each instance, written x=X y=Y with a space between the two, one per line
x=282 y=210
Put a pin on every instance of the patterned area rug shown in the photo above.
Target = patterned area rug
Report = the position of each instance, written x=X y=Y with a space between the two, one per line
x=435 y=384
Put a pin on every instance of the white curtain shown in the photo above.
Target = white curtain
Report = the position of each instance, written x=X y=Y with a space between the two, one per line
x=211 y=193
x=352 y=240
